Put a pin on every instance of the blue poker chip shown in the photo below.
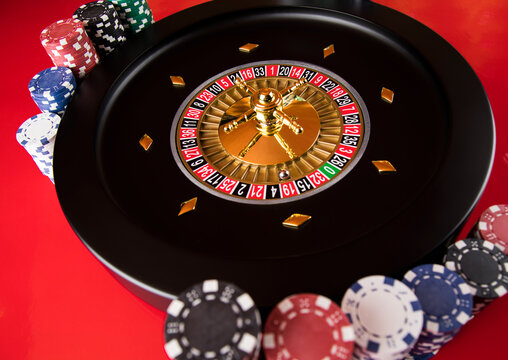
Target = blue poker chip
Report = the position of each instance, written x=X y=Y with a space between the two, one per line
x=52 y=80
x=52 y=88
x=63 y=96
x=53 y=106
x=445 y=298
x=67 y=90
x=423 y=357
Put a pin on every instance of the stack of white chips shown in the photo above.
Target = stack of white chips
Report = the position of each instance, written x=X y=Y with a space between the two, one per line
x=37 y=135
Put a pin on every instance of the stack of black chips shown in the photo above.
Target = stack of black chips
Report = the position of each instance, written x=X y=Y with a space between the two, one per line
x=102 y=25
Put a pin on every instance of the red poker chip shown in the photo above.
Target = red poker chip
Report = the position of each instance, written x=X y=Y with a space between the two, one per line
x=74 y=59
x=62 y=31
x=76 y=47
x=87 y=63
x=67 y=44
x=493 y=226
x=308 y=326
x=79 y=44
x=81 y=71
x=81 y=40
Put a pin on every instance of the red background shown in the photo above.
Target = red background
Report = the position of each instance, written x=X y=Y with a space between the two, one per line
x=56 y=299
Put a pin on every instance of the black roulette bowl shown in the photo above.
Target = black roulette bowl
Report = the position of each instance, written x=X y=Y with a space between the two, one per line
x=123 y=201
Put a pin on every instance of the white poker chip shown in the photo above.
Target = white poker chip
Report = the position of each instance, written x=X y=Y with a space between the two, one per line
x=386 y=315
x=38 y=130
x=37 y=136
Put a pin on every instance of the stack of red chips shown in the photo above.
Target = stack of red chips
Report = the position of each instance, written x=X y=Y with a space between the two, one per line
x=493 y=226
x=67 y=44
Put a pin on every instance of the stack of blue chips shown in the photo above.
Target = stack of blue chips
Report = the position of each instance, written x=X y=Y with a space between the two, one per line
x=421 y=357
x=52 y=89
x=446 y=301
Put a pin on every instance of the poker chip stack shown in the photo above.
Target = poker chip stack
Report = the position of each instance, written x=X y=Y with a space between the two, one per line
x=307 y=326
x=213 y=320
x=102 y=25
x=386 y=316
x=52 y=89
x=37 y=136
x=493 y=226
x=446 y=302
x=484 y=268
x=67 y=43
x=135 y=15
x=421 y=357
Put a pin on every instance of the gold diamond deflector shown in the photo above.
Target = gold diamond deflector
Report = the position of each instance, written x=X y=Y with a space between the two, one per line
x=177 y=81
x=296 y=220
x=384 y=166
x=387 y=95
x=145 y=142
x=329 y=50
x=189 y=205
x=247 y=48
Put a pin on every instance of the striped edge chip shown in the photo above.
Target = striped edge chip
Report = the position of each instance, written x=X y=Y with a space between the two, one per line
x=431 y=281
x=481 y=264
x=213 y=319
x=287 y=335
x=386 y=316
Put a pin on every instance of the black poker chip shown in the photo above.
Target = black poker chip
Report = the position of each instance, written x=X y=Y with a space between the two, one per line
x=213 y=320
x=102 y=24
x=482 y=265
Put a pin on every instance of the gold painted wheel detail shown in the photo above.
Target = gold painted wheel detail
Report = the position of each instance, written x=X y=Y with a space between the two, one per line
x=272 y=131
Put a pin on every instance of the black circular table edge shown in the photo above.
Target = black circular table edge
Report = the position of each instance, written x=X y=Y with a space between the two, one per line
x=71 y=161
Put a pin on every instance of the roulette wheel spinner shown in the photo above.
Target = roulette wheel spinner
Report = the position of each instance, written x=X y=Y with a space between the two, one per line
x=247 y=110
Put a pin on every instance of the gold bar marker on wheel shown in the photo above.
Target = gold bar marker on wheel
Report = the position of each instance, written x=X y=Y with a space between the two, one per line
x=329 y=50
x=189 y=205
x=387 y=95
x=248 y=48
x=296 y=220
x=145 y=142
x=384 y=166
x=177 y=81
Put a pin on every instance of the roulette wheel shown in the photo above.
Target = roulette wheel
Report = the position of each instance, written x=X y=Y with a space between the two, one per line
x=285 y=146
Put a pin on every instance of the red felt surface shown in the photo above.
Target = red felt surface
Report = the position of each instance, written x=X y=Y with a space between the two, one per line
x=56 y=299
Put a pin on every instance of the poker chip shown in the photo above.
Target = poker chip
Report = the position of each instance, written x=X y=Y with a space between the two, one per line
x=386 y=316
x=479 y=304
x=433 y=281
x=102 y=24
x=446 y=302
x=493 y=226
x=39 y=130
x=68 y=45
x=37 y=135
x=52 y=88
x=213 y=320
x=421 y=357
x=482 y=265
x=307 y=326
x=135 y=15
